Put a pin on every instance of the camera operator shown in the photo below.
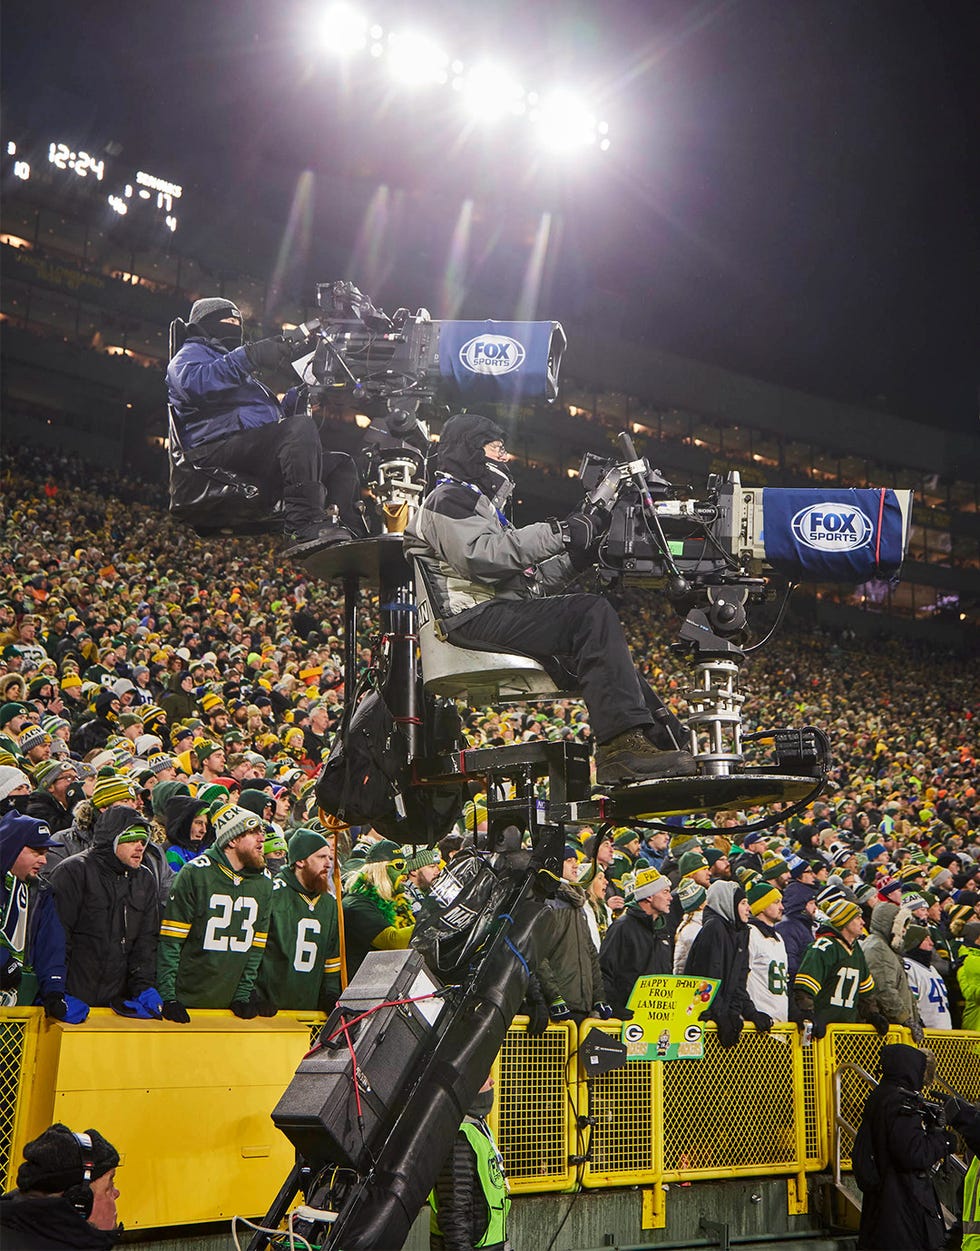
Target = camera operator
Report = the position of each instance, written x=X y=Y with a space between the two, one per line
x=228 y=418
x=492 y=584
x=897 y=1145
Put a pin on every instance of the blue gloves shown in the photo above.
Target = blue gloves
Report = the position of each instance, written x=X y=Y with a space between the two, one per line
x=67 y=1008
x=602 y=1011
x=560 y=1011
x=147 y=1006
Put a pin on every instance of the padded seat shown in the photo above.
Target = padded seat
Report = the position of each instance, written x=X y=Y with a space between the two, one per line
x=477 y=677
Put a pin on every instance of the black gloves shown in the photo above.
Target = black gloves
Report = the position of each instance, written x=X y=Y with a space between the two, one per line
x=267 y=354
x=819 y=1027
x=879 y=1022
x=763 y=1022
x=729 y=1031
x=246 y=1009
x=174 y=1010
x=536 y=1007
x=264 y=1007
x=55 y=1007
x=10 y=973
x=581 y=532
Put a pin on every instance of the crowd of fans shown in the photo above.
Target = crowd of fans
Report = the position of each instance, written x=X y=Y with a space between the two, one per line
x=165 y=705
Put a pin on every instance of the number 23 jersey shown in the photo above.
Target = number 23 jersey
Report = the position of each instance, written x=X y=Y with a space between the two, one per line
x=214 y=932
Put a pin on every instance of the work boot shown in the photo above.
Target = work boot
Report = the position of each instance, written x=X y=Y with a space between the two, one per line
x=631 y=757
x=316 y=537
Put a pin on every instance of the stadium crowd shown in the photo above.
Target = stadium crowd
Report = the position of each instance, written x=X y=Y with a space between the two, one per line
x=165 y=705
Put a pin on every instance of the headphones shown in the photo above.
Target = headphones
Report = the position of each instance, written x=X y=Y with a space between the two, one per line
x=80 y=1195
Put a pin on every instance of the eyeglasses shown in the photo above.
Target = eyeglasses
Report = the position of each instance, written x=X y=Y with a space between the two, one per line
x=498 y=447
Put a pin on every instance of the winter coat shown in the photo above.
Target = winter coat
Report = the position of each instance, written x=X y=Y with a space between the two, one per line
x=179 y=814
x=46 y=808
x=797 y=927
x=111 y=917
x=901 y=1213
x=75 y=838
x=568 y=962
x=635 y=946
x=213 y=394
x=885 y=966
x=968 y=978
x=48 y=1223
x=469 y=551
x=722 y=950
x=31 y=933
x=177 y=703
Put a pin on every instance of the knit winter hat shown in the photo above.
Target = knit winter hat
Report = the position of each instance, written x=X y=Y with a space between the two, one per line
x=420 y=857
x=56 y=1160
x=211 y=703
x=690 y=894
x=162 y=792
x=773 y=867
x=304 y=843
x=874 y=850
x=49 y=771
x=10 y=710
x=10 y=779
x=839 y=911
x=112 y=789
x=231 y=822
x=624 y=836
x=762 y=895
x=690 y=862
x=159 y=761
x=212 y=304
x=648 y=882
x=32 y=736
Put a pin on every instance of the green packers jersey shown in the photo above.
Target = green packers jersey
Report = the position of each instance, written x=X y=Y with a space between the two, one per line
x=835 y=975
x=214 y=932
x=301 y=966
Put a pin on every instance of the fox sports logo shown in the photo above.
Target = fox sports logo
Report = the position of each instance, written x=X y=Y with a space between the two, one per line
x=833 y=527
x=492 y=354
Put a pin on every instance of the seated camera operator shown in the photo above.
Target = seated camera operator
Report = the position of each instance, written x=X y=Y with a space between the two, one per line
x=492 y=584
x=228 y=418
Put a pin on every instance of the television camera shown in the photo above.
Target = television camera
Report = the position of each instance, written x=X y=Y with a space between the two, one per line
x=372 y=1110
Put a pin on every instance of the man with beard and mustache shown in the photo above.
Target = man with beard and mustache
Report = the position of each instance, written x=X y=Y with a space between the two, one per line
x=301 y=966
x=216 y=923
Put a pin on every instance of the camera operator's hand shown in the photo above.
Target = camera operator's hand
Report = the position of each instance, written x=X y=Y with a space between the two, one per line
x=268 y=354
x=582 y=533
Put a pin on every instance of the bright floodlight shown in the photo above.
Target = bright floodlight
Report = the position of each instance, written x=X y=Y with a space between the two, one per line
x=416 y=60
x=343 y=30
x=563 y=122
x=490 y=92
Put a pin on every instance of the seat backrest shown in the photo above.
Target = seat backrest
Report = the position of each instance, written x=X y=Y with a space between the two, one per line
x=464 y=673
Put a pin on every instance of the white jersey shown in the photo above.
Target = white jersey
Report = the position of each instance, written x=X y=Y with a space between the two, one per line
x=687 y=932
x=930 y=993
x=768 y=982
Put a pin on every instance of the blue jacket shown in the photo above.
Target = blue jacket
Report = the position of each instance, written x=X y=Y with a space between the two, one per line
x=797 y=928
x=213 y=393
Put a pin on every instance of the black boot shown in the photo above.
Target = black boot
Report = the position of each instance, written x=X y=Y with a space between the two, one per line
x=631 y=757
x=315 y=537
x=307 y=525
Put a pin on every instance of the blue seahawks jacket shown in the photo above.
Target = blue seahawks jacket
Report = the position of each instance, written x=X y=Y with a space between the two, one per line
x=213 y=393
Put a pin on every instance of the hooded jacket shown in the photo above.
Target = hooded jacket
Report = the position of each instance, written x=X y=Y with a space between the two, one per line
x=110 y=914
x=885 y=965
x=901 y=1212
x=797 y=927
x=635 y=945
x=179 y=814
x=178 y=704
x=568 y=962
x=469 y=551
x=95 y=732
x=722 y=950
x=44 y=806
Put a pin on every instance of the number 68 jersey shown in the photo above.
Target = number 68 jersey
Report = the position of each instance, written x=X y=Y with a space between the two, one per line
x=835 y=975
x=213 y=933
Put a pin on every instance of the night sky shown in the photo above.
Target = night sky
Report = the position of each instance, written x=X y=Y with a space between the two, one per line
x=792 y=192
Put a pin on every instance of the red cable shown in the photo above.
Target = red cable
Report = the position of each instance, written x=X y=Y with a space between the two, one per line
x=353 y=1060
x=881 y=510
x=345 y=1025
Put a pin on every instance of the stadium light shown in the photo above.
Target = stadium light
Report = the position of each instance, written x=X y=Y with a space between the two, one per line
x=563 y=123
x=343 y=31
x=490 y=92
x=416 y=60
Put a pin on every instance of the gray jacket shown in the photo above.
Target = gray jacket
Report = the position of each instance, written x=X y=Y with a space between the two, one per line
x=471 y=557
x=885 y=965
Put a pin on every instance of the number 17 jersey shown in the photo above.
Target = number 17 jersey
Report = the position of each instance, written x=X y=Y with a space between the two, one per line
x=835 y=975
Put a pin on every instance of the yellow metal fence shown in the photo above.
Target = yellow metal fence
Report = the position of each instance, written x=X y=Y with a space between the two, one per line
x=195 y=1101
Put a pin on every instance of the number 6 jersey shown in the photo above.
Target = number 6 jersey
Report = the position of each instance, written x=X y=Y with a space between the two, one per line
x=301 y=966
x=214 y=931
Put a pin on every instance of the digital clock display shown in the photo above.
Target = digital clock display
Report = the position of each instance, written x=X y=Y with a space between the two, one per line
x=79 y=163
